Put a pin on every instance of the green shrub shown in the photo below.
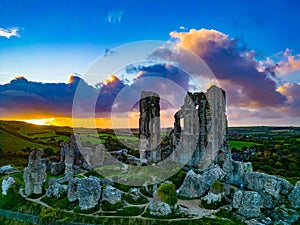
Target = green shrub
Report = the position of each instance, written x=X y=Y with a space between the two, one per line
x=223 y=213
x=148 y=193
x=178 y=178
x=60 y=203
x=106 y=206
x=12 y=199
x=140 y=201
x=217 y=187
x=167 y=193
x=130 y=211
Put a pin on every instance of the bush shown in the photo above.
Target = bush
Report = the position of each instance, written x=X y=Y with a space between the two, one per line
x=278 y=165
x=178 y=178
x=167 y=193
x=140 y=201
x=130 y=211
x=106 y=206
x=217 y=187
x=13 y=199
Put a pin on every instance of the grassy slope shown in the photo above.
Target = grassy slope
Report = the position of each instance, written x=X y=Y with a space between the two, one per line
x=11 y=143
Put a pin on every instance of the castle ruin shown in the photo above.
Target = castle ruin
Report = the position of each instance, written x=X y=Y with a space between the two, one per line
x=149 y=127
x=199 y=136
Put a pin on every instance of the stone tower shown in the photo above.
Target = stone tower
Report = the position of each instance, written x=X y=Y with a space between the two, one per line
x=202 y=140
x=35 y=173
x=149 y=127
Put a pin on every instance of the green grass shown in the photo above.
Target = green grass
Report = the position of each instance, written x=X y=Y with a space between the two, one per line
x=106 y=206
x=239 y=144
x=10 y=143
x=298 y=139
x=60 y=203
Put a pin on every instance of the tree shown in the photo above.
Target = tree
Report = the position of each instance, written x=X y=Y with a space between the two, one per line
x=293 y=167
x=167 y=193
x=278 y=165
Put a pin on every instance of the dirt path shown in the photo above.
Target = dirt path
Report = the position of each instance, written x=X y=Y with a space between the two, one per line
x=38 y=201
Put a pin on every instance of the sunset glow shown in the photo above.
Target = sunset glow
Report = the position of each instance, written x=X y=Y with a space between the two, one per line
x=48 y=121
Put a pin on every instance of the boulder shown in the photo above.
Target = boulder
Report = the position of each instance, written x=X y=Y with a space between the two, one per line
x=111 y=194
x=55 y=189
x=8 y=169
x=159 y=208
x=273 y=185
x=212 y=198
x=283 y=215
x=267 y=201
x=135 y=194
x=237 y=171
x=72 y=189
x=294 y=197
x=57 y=168
x=247 y=204
x=88 y=193
x=195 y=185
x=7 y=182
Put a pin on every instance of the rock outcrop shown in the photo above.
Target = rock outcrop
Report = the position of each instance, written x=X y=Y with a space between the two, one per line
x=111 y=194
x=159 y=208
x=7 y=182
x=57 y=168
x=237 y=171
x=247 y=204
x=34 y=173
x=212 y=198
x=294 y=197
x=195 y=185
x=72 y=189
x=56 y=189
x=8 y=169
x=135 y=194
x=283 y=214
x=86 y=190
x=273 y=185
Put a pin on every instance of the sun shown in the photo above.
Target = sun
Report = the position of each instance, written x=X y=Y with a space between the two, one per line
x=47 y=121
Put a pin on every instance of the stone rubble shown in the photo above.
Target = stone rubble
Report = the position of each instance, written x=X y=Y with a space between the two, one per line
x=195 y=185
x=111 y=194
x=8 y=169
x=7 y=182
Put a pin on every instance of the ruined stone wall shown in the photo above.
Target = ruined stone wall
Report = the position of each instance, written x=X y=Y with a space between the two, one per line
x=149 y=127
x=204 y=134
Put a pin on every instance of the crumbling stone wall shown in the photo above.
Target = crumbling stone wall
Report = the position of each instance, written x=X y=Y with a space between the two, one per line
x=34 y=173
x=202 y=140
x=149 y=127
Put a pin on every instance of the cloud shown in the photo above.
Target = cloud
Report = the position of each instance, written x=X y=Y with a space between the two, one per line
x=233 y=66
x=115 y=17
x=21 y=97
x=290 y=63
x=9 y=32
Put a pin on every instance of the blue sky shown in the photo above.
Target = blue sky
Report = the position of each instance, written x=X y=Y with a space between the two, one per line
x=77 y=32
x=45 y=41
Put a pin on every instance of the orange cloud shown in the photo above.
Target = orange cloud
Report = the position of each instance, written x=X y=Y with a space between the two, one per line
x=290 y=64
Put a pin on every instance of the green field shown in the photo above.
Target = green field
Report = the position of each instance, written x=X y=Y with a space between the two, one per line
x=239 y=144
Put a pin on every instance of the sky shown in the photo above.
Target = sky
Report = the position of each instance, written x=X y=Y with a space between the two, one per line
x=252 y=48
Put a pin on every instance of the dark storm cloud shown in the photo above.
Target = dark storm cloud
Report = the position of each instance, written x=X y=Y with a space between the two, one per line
x=21 y=97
